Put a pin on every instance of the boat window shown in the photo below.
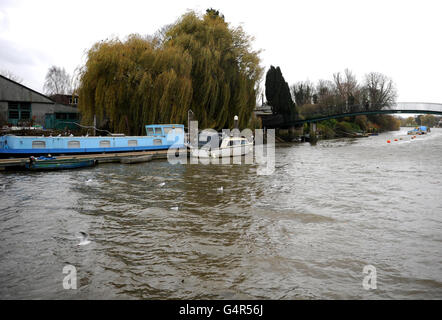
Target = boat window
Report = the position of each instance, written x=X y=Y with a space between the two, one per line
x=158 y=131
x=167 y=130
x=132 y=143
x=104 y=143
x=74 y=144
x=243 y=141
x=179 y=131
x=38 y=144
x=150 y=131
x=157 y=142
x=231 y=143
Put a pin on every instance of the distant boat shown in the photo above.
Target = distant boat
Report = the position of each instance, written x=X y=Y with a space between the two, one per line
x=158 y=137
x=419 y=130
x=56 y=164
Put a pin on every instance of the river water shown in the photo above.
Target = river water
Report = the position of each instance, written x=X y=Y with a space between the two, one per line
x=163 y=231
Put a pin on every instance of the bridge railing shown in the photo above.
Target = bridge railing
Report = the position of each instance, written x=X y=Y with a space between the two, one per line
x=318 y=111
x=422 y=106
x=314 y=113
x=321 y=111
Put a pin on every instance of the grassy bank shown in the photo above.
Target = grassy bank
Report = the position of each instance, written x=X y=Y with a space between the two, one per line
x=336 y=128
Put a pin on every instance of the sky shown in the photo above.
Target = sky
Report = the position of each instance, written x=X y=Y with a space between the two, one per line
x=308 y=40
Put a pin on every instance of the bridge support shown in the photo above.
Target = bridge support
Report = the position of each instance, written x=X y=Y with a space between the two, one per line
x=292 y=131
x=313 y=137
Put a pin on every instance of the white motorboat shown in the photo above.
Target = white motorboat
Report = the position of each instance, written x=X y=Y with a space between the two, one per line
x=226 y=146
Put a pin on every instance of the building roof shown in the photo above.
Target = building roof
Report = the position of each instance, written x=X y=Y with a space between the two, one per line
x=11 y=90
x=64 y=98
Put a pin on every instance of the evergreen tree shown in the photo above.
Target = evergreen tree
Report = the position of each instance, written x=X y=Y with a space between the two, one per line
x=278 y=94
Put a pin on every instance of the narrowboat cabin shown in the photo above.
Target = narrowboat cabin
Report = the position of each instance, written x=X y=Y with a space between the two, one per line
x=158 y=137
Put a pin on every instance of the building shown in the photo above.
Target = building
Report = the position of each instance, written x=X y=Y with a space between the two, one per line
x=22 y=106
x=66 y=99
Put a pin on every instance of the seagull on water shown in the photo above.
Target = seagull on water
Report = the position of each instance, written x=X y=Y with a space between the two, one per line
x=162 y=184
x=84 y=238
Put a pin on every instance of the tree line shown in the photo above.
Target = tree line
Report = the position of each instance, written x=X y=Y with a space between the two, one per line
x=421 y=120
x=342 y=94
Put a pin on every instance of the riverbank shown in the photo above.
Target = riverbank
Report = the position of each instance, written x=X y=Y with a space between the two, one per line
x=348 y=127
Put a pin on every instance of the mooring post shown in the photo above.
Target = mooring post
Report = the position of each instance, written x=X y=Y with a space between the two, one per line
x=95 y=125
x=313 y=138
x=190 y=118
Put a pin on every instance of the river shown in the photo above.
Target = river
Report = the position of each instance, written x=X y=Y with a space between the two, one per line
x=163 y=231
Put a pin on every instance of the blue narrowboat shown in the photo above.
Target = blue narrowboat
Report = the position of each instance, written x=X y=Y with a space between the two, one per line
x=158 y=137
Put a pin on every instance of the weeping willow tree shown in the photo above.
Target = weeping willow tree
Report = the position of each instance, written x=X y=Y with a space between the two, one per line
x=133 y=83
x=225 y=71
x=198 y=63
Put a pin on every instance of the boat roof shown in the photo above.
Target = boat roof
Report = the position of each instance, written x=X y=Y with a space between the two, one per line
x=164 y=125
x=74 y=137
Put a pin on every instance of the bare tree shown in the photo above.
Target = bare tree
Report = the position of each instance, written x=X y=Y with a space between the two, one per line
x=57 y=81
x=8 y=74
x=379 y=89
x=325 y=92
x=160 y=37
x=347 y=88
x=302 y=92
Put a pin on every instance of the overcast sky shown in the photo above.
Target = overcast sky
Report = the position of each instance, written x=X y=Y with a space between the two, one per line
x=307 y=39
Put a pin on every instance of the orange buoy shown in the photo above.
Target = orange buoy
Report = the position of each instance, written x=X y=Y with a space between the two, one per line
x=388 y=141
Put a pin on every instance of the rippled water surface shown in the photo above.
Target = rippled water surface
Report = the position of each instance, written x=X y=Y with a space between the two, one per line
x=162 y=231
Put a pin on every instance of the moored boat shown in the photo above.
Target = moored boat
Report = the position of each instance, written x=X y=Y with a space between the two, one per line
x=226 y=146
x=419 y=130
x=158 y=137
x=51 y=163
x=136 y=159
